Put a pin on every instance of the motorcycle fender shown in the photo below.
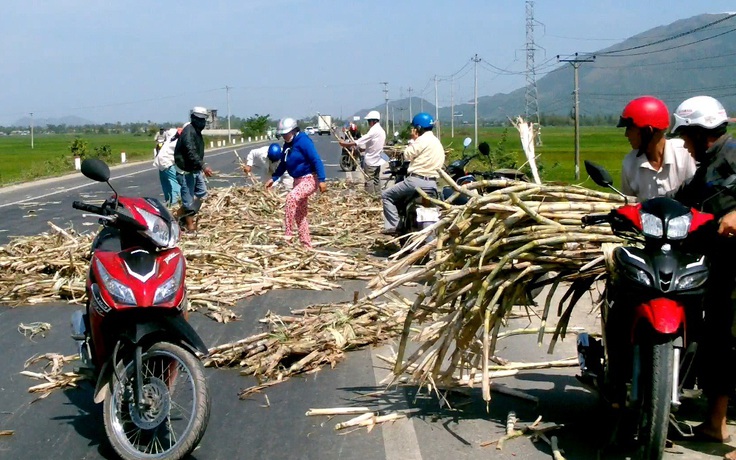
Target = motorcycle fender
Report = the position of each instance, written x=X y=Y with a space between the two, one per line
x=103 y=381
x=176 y=326
x=664 y=315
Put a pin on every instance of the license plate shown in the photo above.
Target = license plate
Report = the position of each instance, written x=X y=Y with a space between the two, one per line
x=427 y=214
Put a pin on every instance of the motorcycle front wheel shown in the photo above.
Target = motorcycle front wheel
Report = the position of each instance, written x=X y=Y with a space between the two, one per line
x=176 y=406
x=657 y=360
x=346 y=163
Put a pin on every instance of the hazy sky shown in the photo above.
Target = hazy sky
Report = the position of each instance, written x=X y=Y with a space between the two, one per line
x=153 y=60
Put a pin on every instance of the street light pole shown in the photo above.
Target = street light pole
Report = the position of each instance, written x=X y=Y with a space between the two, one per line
x=476 y=60
x=31 y=130
x=437 y=110
x=229 y=136
x=452 y=106
x=385 y=97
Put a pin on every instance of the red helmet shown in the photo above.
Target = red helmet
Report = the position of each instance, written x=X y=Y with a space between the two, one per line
x=645 y=111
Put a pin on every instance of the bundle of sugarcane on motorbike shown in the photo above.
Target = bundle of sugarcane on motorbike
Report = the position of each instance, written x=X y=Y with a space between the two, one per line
x=489 y=253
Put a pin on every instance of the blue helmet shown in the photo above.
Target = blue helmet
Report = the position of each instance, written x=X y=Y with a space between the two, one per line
x=423 y=120
x=274 y=152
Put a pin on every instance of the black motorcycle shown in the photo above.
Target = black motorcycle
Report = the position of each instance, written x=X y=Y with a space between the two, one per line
x=461 y=176
x=651 y=312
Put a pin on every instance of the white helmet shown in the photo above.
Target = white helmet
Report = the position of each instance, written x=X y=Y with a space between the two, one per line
x=703 y=111
x=373 y=115
x=199 y=112
x=286 y=125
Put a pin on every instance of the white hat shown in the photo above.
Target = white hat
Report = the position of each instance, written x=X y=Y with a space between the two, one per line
x=200 y=112
x=373 y=115
x=286 y=125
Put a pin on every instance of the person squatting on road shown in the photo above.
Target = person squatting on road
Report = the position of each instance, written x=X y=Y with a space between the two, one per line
x=189 y=159
x=426 y=156
x=371 y=143
x=656 y=165
x=262 y=162
x=701 y=122
x=301 y=160
x=163 y=160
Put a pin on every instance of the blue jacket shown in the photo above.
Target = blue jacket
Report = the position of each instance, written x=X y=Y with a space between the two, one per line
x=300 y=158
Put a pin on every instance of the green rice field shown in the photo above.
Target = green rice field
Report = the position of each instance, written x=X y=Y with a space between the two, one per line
x=601 y=144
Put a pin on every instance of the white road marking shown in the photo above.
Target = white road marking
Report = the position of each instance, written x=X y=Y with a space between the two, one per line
x=399 y=438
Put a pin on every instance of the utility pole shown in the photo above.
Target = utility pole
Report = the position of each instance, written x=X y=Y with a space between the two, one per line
x=576 y=61
x=531 y=110
x=409 y=90
x=437 y=109
x=229 y=137
x=452 y=106
x=31 y=130
x=476 y=60
x=385 y=98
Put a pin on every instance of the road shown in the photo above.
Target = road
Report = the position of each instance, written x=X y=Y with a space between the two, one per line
x=272 y=424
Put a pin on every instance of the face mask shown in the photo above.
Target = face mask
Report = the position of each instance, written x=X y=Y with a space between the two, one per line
x=199 y=123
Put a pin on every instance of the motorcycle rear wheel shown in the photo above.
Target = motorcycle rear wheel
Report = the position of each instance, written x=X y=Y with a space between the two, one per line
x=656 y=386
x=172 y=425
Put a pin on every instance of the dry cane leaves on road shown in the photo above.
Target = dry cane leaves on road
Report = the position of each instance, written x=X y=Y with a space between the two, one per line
x=485 y=257
x=239 y=251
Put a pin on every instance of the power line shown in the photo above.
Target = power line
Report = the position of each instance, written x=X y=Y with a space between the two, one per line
x=673 y=47
x=673 y=37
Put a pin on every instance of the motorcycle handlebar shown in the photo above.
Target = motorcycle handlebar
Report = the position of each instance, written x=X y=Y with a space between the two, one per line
x=595 y=219
x=87 y=207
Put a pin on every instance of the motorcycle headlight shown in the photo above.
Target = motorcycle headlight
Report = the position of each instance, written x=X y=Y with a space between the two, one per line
x=119 y=292
x=692 y=281
x=638 y=275
x=159 y=230
x=167 y=291
x=678 y=227
x=643 y=277
x=651 y=225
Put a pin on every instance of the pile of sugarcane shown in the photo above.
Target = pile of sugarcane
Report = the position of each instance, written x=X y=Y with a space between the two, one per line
x=486 y=256
x=309 y=339
x=239 y=250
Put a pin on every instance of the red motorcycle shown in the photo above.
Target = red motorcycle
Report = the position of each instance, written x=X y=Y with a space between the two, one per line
x=134 y=336
x=651 y=312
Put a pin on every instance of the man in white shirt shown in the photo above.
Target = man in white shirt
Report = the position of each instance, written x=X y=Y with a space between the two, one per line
x=655 y=165
x=371 y=143
x=426 y=156
x=262 y=162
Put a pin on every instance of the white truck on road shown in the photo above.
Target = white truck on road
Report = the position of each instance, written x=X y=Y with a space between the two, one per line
x=324 y=123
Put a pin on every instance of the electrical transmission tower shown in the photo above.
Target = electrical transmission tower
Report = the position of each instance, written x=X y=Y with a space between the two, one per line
x=531 y=110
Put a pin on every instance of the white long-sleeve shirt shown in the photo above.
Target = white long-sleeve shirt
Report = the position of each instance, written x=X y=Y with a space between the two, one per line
x=640 y=179
x=426 y=154
x=372 y=144
x=263 y=168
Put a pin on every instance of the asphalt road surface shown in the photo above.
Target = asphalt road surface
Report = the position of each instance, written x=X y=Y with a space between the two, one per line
x=272 y=424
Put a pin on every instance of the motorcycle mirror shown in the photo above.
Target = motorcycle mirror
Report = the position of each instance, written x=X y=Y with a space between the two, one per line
x=466 y=142
x=599 y=174
x=96 y=169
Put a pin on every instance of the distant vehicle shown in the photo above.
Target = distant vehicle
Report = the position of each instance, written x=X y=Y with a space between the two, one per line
x=311 y=130
x=324 y=123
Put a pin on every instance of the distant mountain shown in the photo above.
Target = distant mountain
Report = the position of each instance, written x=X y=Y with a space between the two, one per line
x=700 y=62
x=68 y=120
